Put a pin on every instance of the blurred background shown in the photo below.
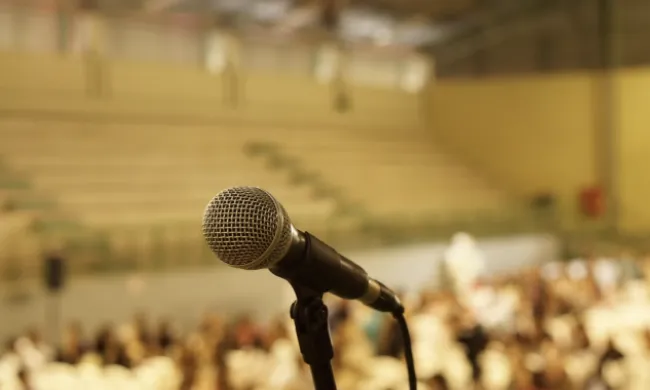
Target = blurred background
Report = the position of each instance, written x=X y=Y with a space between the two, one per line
x=484 y=157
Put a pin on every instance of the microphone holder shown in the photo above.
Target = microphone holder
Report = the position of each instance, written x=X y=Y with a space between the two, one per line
x=310 y=317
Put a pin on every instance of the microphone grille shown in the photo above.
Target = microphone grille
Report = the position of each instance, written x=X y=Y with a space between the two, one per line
x=247 y=228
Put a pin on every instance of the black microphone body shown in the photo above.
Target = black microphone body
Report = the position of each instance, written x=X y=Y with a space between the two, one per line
x=315 y=265
x=247 y=228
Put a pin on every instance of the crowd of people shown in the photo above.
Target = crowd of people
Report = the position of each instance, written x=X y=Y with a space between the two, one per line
x=581 y=324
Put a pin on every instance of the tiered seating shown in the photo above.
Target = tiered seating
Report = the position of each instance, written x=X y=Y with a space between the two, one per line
x=139 y=175
x=394 y=173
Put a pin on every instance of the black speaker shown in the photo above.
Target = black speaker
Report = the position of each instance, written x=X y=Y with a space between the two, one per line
x=55 y=273
x=543 y=201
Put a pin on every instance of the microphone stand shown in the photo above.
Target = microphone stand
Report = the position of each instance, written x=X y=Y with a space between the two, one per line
x=310 y=317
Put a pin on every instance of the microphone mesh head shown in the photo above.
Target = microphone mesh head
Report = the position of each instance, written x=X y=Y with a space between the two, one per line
x=247 y=228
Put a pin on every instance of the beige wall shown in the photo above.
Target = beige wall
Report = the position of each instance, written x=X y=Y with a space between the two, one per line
x=634 y=155
x=38 y=83
x=540 y=133
x=187 y=295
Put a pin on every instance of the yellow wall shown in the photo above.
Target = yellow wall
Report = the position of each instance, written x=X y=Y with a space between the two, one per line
x=540 y=134
x=62 y=84
x=634 y=153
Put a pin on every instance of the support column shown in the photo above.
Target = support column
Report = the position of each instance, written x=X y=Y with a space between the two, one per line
x=607 y=137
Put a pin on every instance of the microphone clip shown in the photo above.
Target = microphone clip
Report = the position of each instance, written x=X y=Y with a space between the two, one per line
x=310 y=316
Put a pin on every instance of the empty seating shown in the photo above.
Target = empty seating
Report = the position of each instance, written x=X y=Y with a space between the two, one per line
x=144 y=174
x=127 y=175
x=394 y=173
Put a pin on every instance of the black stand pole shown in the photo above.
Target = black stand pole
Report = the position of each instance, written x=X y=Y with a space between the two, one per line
x=53 y=316
x=310 y=316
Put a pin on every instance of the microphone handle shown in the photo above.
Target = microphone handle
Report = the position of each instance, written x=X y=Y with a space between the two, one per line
x=317 y=266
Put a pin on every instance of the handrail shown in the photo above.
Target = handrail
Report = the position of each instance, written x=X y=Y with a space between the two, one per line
x=299 y=176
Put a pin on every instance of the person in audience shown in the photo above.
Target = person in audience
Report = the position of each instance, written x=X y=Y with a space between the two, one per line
x=165 y=337
x=630 y=266
x=9 y=359
x=73 y=346
x=188 y=365
x=142 y=330
x=223 y=347
x=553 y=377
x=548 y=340
x=473 y=338
x=606 y=274
x=390 y=340
x=33 y=352
x=103 y=338
x=611 y=354
x=597 y=382
x=438 y=382
x=277 y=332
x=339 y=314
x=579 y=339
x=464 y=264
x=540 y=298
x=246 y=334
x=373 y=325
x=24 y=380
x=522 y=378
x=109 y=348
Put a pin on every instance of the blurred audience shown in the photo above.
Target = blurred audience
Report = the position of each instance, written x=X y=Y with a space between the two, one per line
x=581 y=325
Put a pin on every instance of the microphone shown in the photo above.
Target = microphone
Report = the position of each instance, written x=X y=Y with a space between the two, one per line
x=247 y=228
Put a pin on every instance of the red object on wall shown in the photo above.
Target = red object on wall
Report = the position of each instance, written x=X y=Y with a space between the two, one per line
x=592 y=202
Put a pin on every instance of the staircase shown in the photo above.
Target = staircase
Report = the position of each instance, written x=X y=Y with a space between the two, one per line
x=345 y=207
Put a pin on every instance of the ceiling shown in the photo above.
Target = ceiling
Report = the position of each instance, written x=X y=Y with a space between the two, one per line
x=384 y=22
x=414 y=23
x=434 y=10
x=439 y=10
x=452 y=30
